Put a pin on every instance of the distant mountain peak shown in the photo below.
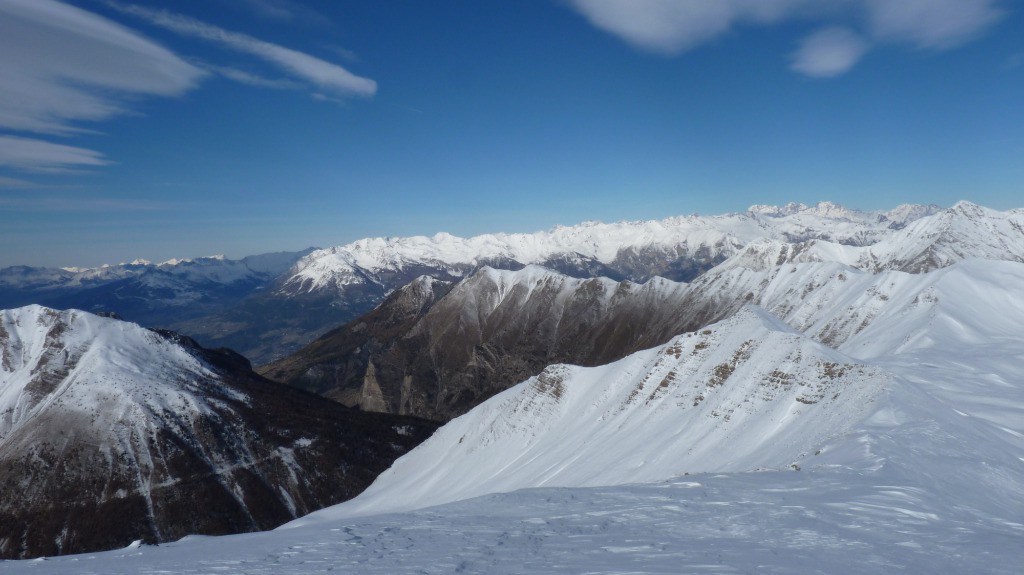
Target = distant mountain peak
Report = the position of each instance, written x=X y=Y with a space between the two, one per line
x=777 y=211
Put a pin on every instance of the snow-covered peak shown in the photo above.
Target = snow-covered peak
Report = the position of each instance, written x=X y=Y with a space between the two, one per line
x=826 y=210
x=528 y=278
x=96 y=366
x=903 y=214
x=777 y=211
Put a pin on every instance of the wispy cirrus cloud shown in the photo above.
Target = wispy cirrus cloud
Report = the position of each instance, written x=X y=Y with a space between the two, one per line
x=329 y=78
x=672 y=27
x=64 y=69
x=33 y=155
x=60 y=65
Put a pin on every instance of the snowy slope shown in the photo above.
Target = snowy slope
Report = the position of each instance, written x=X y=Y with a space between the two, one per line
x=746 y=393
x=921 y=481
x=943 y=350
x=871 y=315
x=771 y=522
x=132 y=430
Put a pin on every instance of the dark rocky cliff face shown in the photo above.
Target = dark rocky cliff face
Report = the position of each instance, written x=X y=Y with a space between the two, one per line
x=442 y=357
x=241 y=454
x=334 y=365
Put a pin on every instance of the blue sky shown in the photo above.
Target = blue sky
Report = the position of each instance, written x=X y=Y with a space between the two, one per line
x=178 y=129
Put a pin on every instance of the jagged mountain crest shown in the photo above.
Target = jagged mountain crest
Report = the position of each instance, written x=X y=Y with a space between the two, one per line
x=591 y=241
x=624 y=250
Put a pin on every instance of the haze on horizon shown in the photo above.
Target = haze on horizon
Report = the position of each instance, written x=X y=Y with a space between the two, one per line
x=129 y=130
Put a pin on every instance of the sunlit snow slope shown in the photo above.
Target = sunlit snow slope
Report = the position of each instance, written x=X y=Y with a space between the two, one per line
x=746 y=393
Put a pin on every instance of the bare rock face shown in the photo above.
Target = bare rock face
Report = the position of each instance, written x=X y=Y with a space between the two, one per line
x=111 y=433
x=438 y=353
x=336 y=364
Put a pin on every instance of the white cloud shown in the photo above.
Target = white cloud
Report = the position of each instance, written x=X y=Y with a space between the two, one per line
x=34 y=155
x=674 y=26
x=936 y=24
x=829 y=52
x=327 y=77
x=60 y=65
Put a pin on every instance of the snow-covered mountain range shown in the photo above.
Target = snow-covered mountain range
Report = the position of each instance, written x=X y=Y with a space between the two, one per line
x=910 y=238
x=270 y=309
x=110 y=432
x=495 y=328
x=746 y=445
x=843 y=393
x=677 y=248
